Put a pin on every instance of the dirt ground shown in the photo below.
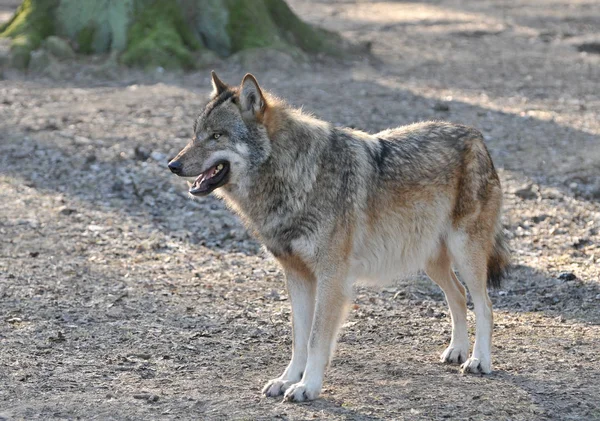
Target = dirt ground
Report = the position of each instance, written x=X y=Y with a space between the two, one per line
x=120 y=298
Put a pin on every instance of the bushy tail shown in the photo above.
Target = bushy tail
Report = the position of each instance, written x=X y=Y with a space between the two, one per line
x=499 y=259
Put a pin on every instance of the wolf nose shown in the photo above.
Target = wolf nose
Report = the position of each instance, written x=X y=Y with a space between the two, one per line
x=175 y=167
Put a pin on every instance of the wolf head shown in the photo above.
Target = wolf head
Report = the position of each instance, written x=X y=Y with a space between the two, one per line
x=230 y=140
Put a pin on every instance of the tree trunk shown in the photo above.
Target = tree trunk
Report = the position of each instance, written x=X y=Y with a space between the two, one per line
x=167 y=33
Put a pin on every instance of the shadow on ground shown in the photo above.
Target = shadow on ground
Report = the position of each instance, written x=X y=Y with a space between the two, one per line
x=46 y=161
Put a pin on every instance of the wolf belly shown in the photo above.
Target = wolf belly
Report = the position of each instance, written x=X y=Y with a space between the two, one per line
x=399 y=243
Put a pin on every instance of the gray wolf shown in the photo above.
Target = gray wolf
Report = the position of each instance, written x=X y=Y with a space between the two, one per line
x=335 y=206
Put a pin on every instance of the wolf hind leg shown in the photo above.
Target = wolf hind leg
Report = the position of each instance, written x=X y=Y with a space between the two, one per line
x=469 y=255
x=439 y=269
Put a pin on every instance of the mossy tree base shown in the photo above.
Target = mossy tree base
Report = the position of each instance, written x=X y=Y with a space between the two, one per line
x=30 y=25
x=166 y=33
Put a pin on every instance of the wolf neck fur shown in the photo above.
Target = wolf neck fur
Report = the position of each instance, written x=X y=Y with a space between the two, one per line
x=283 y=183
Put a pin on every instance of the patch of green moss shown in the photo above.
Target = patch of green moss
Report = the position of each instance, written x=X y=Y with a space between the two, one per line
x=32 y=22
x=85 y=39
x=250 y=26
x=309 y=38
x=160 y=36
x=272 y=24
x=20 y=49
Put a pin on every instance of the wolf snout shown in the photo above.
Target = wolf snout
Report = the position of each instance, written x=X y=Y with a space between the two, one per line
x=175 y=167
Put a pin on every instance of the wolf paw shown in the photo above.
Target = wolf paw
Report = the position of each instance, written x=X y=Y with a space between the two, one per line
x=476 y=366
x=276 y=387
x=454 y=355
x=301 y=392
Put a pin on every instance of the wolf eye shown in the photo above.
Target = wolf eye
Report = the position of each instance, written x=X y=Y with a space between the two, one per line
x=216 y=135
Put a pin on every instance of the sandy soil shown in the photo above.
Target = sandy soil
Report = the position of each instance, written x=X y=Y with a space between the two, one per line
x=120 y=298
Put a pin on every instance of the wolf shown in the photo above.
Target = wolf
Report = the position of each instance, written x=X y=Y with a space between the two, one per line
x=336 y=206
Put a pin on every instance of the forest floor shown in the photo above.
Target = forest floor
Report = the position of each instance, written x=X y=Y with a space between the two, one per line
x=120 y=298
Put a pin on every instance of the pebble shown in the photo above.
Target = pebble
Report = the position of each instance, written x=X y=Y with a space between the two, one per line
x=140 y=153
x=567 y=276
x=19 y=320
x=527 y=192
x=441 y=106
x=63 y=210
x=117 y=186
x=157 y=156
x=81 y=140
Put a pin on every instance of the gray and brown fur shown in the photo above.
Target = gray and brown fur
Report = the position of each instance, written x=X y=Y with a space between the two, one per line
x=337 y=206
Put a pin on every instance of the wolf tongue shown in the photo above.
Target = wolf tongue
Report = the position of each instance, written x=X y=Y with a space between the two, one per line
x=210 y=173
x=207 y=175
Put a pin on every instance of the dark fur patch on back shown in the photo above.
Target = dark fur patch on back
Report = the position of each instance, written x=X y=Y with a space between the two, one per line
x=383 y=151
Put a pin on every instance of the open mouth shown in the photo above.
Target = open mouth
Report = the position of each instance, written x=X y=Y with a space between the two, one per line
x=212 y=178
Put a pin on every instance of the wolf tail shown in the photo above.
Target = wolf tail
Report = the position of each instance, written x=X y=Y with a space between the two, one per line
x=499 y=259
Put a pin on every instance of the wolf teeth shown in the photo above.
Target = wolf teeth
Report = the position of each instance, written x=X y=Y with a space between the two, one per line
x=219 y=168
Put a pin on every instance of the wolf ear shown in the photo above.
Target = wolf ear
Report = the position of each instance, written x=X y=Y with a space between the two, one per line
x=217 y=84
x=251 y=97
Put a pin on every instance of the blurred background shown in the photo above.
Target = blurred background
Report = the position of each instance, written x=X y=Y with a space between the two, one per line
x=121 y=298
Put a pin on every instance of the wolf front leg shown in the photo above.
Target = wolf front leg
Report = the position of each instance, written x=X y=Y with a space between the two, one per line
x=301 y=290
x=333 y=299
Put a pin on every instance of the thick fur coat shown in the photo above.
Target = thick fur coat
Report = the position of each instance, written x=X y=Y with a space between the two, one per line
x=336 y=206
